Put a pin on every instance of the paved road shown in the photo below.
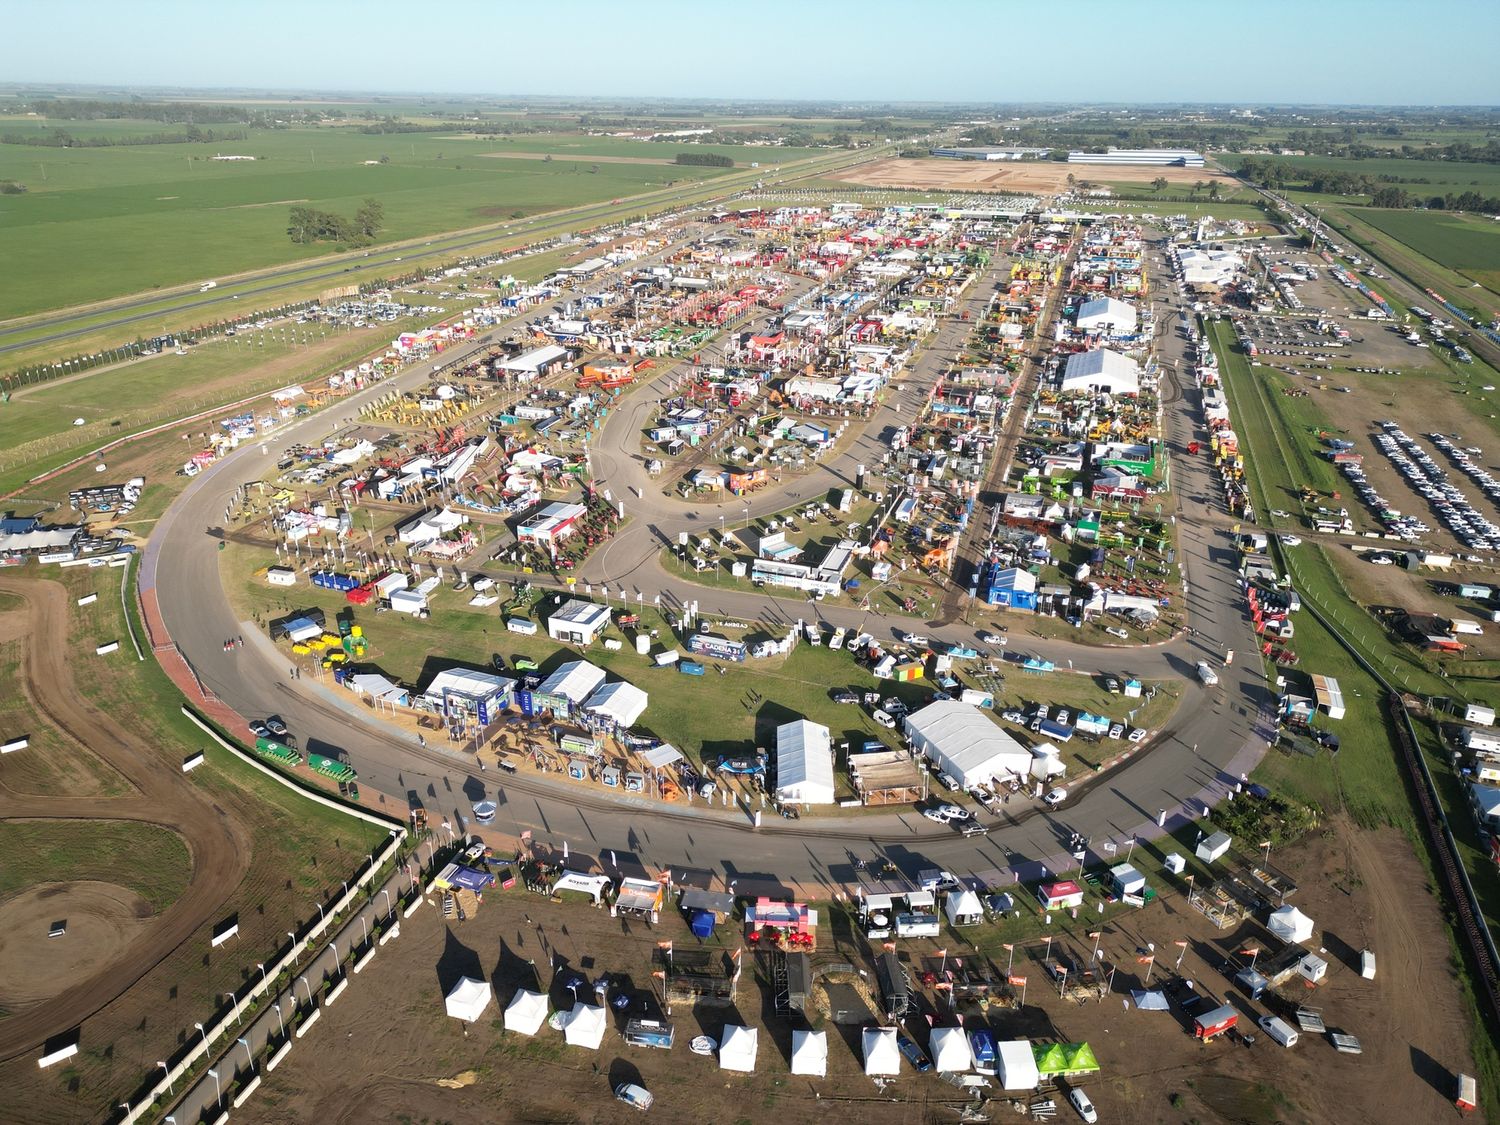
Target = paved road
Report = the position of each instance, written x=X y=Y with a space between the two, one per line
x=1219 y=733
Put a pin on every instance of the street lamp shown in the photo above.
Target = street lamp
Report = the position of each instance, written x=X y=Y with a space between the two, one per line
x=385 y=893
x=280 y=1020
x=261 y=965
x=165 y=1069
x=218 y=1090
x=307 y=986
x=249 y=1054
x=292 y=935
x=204 y=1030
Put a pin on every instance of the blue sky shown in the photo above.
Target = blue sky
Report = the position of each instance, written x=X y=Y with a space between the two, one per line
x=1343 y=51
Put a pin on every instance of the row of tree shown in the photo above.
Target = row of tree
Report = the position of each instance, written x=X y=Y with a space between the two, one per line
x=705 y=159
x=61 y=138
x=307 y=224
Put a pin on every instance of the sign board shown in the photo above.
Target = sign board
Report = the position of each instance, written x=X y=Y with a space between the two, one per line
x=225 y=934
x=576 y=744
x=719 y=648
x=484 y=712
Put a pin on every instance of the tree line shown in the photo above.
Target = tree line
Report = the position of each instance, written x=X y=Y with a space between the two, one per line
x=61 y=138
x=168 y=112
x=1279 y=174
x=705 y=159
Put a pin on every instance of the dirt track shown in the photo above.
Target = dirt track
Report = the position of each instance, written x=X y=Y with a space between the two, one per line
x=219 y=848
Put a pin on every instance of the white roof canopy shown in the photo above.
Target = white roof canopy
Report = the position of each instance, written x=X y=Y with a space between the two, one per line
x=469 y=999
x=810 y=1053
x=1101 y=369
x=584 y=1026
x=950 y=1050
x=737 y=1048
x=1106 y=312
x=575 y=681
x=525 y=1012
x=619 y=702
x=1017 y=1065
x=965 y=743
x=882 y=1056
x=804 y=763
x=1290 y=924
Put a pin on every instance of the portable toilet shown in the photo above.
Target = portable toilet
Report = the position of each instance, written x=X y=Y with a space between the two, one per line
x=1367 y=964
x=1467 y=1099
x=1312 y=968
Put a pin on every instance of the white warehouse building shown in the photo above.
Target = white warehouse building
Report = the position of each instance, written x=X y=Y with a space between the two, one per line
x=1101 y=370
x=1107 y=315
x=965 y=744
x=1161 y=157
x=804 y=764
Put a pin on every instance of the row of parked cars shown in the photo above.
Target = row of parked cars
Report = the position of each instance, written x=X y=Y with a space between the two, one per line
x=1423 y=473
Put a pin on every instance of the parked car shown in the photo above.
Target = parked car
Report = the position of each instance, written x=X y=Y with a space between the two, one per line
x=1138 y=733
x=953 y=812
x=1014 y=716
x=1080 y=1102
x=1117 y=730
x=1290 y=540
x=1207 y=674
x=845 y=696
x=1111 y=685
x=973 y=828
x=1113 y=631
x=991 y=638
x=634 y=1095
x=914 y=639
x=1056 y=796
x=260 y=730
x=883 y=719
x=914 y=1054
x=935 y=815
x=276 y=726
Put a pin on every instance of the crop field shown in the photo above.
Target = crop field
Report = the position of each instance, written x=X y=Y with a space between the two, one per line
x=100 y=222
x=1420 y=177
x=1470 y=246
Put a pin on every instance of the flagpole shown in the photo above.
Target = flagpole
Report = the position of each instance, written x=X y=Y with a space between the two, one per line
x=1097 y=935
x=1149 y=966
x=1023 y=995
x=1009 y=964
x=1183 y=946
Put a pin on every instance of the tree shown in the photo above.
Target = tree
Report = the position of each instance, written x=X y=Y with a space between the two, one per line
x=1159 y=184
x=1199 y=186
x=1214 y=190
x=368 y=218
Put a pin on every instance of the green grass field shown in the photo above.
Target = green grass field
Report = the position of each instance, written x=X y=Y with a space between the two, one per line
x=1419 y=177
x=1465 y=244
x=153 y=862
x=100 y=222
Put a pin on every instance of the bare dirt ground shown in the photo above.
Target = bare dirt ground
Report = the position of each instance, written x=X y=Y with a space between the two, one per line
x=384 y=1053
x=220 y=852
x=1046 y=178
x=101 y=918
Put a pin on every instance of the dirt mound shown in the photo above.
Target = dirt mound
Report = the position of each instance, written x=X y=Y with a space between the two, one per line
x=101 y=918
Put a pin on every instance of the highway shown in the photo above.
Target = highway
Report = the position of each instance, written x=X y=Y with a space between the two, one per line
x=1218 y=734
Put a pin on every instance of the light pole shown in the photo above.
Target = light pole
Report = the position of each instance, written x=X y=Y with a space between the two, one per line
x=280 y=1019
x=165 y=1069
x=292 y=935
x=307 y=986
x=204 y=1030
x=385 y=893
x=218 y=1090
x=249 y=1054
x=261 y=965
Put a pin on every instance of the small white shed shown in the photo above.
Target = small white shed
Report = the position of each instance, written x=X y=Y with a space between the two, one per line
x=1213 y=847
x=963 y=908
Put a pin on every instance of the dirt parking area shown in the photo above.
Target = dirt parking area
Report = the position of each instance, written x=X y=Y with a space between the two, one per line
x=387 y=1052
x=1041 y=177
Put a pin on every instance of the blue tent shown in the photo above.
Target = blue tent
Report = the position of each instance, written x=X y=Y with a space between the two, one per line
x=702 y=923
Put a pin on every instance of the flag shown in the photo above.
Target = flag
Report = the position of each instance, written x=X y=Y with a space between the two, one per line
x=1097 y=934
x=942 y=953
x=1250 y=952
x=1180 y=944
x=526 y=836
x=1018 y=982
x=959 y=961
x=1145 y=960
x=161 y=1064
x=665 y=947
x=888 y=946
x=659 y=975
x=1007 y=948
x=1265 y=843
x=1079 y=856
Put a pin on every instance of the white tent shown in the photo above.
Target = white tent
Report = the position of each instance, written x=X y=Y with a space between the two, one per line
x=964 y=908
x=469 y=999
x=810 y=1053
x=804 y=763
x=1017 y=1065
x=737 y=1047
x=619 y=702
x=1106 y=314
x=950 y=1050
x=525 y=1012
x=584 y=1026
x=965 y=743
x=882 y=1056
x=1101 y=370
x=1291 y=925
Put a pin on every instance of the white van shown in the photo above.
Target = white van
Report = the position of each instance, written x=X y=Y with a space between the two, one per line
x=1279 y=1030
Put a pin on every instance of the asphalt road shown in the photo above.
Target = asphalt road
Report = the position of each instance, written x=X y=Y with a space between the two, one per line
x=1218 y=734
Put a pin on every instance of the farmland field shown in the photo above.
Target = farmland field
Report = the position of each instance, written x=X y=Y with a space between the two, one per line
x=1420 y=177
x=1470 y=246
x=100 y=222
